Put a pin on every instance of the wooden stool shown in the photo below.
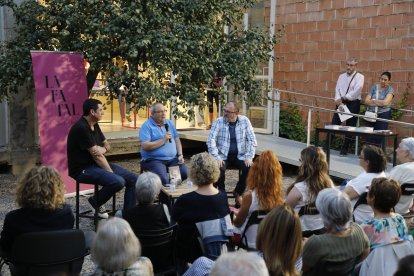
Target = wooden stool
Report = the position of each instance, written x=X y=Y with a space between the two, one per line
x=86 y=214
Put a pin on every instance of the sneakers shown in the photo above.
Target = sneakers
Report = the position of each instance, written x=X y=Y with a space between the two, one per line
x=101 y=210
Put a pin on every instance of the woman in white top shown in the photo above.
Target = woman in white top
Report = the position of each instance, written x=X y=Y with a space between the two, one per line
x=312 y=178
x=404 y=173
x=264 y=184
x=372 y=159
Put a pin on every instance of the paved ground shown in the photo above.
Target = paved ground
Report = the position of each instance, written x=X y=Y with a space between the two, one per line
x=8 y=185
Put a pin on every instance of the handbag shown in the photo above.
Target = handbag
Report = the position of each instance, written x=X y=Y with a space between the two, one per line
x=370 y=116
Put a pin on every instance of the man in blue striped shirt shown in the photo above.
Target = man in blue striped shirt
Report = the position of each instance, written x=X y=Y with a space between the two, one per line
x=232 y=142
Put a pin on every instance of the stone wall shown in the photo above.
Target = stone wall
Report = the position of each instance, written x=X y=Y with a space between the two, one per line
x=320 y=35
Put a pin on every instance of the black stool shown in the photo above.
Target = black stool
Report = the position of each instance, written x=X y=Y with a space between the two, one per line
x=86 y=214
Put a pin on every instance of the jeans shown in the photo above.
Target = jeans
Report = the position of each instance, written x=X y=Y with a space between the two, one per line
x=354 y=107
x=378 y=125
x=121 y=107
x=160 y=167
x=111 y=183
x=240 y=165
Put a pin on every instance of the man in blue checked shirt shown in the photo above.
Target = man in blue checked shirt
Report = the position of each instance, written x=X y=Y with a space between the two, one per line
x=232 y=142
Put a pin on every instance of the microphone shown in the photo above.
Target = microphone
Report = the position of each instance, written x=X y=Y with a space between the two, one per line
x=166 y=129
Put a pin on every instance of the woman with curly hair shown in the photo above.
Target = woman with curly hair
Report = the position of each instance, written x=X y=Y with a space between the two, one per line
x=204 y=204
x=265 y=191
x=312 y=178
x=40 y=194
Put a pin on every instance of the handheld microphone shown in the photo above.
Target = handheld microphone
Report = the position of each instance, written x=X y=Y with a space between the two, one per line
x=166 y=129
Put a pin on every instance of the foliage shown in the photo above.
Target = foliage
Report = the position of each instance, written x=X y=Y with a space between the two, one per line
x=153 y=37
x=396 y=113
x=291 y=125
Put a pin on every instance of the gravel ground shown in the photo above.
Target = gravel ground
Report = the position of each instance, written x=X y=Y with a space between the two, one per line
x=7 y=195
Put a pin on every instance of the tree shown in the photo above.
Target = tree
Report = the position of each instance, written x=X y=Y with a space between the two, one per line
x=155 y=37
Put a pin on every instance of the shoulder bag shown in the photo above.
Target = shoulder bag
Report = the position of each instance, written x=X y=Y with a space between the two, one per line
x=372 y=116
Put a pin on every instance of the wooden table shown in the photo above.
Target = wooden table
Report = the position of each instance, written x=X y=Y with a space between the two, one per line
x=168 y=197
x=331 y=131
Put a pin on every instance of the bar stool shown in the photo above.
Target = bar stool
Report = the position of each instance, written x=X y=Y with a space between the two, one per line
x=86 y=214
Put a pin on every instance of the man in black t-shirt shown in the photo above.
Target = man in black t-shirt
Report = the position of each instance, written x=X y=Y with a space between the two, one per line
x=86 y=146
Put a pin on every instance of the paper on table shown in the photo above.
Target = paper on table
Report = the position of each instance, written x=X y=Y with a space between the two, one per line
x=344 y=117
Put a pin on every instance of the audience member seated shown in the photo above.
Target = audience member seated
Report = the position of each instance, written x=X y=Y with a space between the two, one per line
x=312 y=178
x=116 y=250
x=405 y=266
x=40 y=196
x=404 y=173
x=343 y=240
x=373 y=161
x=265 y=192
x=239 y=264
x=279 y=238
x=198 y=213
x=386 y=226
x=147 y=215
x=160 y=145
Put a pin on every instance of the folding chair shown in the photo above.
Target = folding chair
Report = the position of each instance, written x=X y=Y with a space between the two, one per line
x=248 y=237
x=48 y=253
x=158 y=246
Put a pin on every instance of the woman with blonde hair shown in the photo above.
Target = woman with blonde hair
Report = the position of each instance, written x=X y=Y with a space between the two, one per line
x=279 y=238
x=116 y=250
x=265 y=190
x=312 y=178
x=206 y=204
x=40 y=195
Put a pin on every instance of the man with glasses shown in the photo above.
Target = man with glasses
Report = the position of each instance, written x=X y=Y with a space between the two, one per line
x=348 y=93
x=232 y=142
x=160 y=145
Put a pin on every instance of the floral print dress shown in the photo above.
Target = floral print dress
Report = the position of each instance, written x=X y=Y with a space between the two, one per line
x=384 y=231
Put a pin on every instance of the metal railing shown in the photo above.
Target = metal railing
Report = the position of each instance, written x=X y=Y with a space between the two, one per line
x=312 y=108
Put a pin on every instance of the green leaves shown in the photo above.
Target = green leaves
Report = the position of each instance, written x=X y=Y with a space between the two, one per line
x=153 y=37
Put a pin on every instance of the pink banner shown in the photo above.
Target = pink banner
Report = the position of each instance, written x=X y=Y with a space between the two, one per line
x=60 y=83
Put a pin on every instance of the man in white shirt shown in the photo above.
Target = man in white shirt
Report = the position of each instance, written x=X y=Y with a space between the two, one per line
x=348 y=92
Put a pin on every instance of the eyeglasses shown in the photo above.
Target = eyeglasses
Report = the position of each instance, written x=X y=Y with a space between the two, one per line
x=161 y=111
x=228 y=111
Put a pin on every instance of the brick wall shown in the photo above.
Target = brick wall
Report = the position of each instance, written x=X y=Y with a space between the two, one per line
x=320 y=34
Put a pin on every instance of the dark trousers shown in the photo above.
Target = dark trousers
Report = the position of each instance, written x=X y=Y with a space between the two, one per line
x=111 y=183
x=160 y=167
x=240 y=165
x=378 y=125
x=354 y=107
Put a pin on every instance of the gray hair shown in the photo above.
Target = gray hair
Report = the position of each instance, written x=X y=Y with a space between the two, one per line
x=239 y=264
x=352 y=59
x=335 y=209
x=115 y=246
x=408 y=144
x=152 y=108
x=147 y=188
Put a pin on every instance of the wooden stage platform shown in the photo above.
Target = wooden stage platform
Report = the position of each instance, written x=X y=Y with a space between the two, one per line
x=125 y=140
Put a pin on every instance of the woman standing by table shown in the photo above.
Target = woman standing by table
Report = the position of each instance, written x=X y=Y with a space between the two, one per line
x=379 y=100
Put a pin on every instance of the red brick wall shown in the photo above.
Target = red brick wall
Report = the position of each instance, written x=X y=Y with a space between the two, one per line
x=321 y=34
